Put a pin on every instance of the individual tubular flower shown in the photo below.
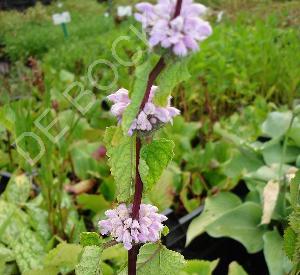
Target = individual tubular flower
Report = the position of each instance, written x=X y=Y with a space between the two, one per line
x=183 y=33
x=124 y=229
x=121 y=101
x=150 y=118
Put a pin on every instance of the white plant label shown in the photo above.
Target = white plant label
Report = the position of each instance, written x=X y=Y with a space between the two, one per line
x=124 y=11
x=60 y=18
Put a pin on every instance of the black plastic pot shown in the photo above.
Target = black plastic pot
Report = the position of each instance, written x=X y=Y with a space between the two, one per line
x=4 y=179
x=20 y=4
x=205 y=247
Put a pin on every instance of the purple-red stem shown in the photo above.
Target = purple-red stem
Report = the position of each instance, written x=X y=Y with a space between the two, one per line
x=138 y=192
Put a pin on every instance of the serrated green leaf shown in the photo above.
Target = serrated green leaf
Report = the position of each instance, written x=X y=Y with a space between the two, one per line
x=172 y=75
x=215 y=207
x=90 y=238
x=156 y=157
x=199 y=267
x=18 y=189
x=155 y=258
x=236 y=269
x=294 y=189
x=277 y=261
x=120 y=153
x=64 y=256
x=290 y=239
x=89 y=261
x=137 y=94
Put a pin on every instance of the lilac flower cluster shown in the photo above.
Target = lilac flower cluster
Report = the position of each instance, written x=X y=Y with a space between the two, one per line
x=124 y=229
x=182 y=33
x=149 y=118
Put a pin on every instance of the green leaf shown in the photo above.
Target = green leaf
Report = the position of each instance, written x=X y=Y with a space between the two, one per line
x=241 y=224
x=277 y=124
x=236 y=269
x=155 y=258
x=90 y=238
x=189 y=204
x=7 y=118
x=273 y=154
x=47 y=270
x=294 y=189
x=29 y=250
x=290 y=239
x=215 y=207
x=172 y=75
x=273 y=250
x=162 y=194
x=96 y=203
x=84 y=163
x=12 y=222
x=119 y=150
x=156 y=157
x=6 y=254
x=137 y=95
x=64 y=256
x=89 y=261
x=199 y=267
x=18 y=189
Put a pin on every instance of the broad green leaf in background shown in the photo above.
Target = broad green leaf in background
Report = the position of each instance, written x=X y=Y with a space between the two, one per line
x=276 y=124
x=278 y=263
x=50 y=270
x=89 y=261
x=155 y=156
x=120 y=152
x=85 y=165
x=215 y=207
x=154 y=258
x=172 y=75
x=12 y=222
x=236 y=269
x=39 y=221
x=241 y=224
x=189 y=204
x=64 y=256
x=29 y=250
x=93 y=202
x=18 y=189
x=273 y=154
x=199 y=267
x=90 y=239
x=137 y=94
x=162 y=194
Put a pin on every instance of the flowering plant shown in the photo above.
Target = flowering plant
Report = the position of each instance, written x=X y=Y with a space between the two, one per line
x=177 y=28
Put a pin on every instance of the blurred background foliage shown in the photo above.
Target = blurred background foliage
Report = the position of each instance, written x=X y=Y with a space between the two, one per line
x=246 y=71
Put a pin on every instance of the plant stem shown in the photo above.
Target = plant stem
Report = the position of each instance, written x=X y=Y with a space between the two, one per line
x=283 y=153
x=132 y=253
x=178 y=8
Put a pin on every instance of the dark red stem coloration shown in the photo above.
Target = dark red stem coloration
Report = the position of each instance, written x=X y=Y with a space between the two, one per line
x=138 y=192
x=177 y=8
